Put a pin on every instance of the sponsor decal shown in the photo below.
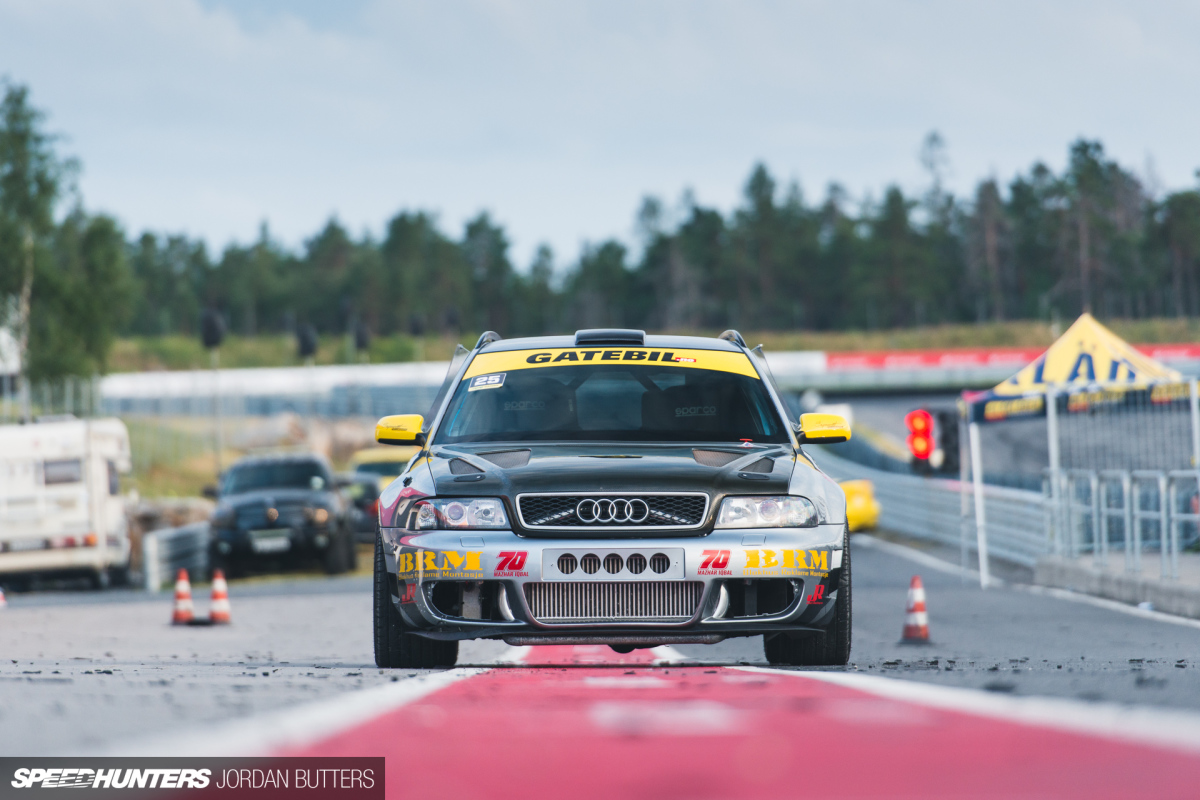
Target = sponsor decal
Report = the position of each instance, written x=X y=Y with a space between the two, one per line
x=446 y=564
x=1002 y=409
x=409 y=595
x=786 y=563
x=229 y=777
x=715 y=562
x=818 y=595
x=525 y=405
x=500 y=363
x=511 y=564
x=487 y=382
x=696 y=411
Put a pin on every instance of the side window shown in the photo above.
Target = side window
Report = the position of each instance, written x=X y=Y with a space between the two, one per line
x=64 y=471
x=114 y=479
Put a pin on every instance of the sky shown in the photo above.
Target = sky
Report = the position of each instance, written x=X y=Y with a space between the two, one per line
x=209 y=117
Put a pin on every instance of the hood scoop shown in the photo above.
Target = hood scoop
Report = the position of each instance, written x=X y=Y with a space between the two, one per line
x=764 y=465
x=715 y=458
x=460 y=466
x=507 y=459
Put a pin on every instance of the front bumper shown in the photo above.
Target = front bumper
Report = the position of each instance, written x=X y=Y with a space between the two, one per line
x=242 y=544
x=803 y=562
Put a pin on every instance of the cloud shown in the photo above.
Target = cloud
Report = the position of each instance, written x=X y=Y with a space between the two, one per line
x=558 y=116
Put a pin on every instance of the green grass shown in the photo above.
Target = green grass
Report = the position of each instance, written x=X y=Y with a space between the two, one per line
x=141 y=353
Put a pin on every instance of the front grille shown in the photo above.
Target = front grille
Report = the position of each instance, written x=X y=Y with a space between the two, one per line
x=601 y=602
x=662 y=510
x=251 y=517
x=292 y=514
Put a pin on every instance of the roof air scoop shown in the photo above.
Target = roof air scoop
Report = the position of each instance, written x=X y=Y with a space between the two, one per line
x=487 y=338
x=734 y=337
x=618 y=336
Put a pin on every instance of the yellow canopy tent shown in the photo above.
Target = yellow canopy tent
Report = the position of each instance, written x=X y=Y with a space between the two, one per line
x=1089 y=365
x=1088 y=356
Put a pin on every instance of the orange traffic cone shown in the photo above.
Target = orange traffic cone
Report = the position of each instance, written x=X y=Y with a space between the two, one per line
x=916 y=620
x=183 y=599
x=219 y=612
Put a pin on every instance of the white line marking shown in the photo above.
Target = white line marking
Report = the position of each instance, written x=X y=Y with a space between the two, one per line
x=1148 y=726
x=665 y=654
x=1111 y=605
x=264 y=734
x=901 y=551
x=626 y=682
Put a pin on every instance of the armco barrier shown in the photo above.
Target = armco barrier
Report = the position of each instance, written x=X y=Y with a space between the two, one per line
x=931 y=508
x=170 y=549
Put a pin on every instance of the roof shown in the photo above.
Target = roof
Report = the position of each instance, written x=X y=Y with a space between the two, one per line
x=652 y=340
x=1087 y=356
x=278 y=457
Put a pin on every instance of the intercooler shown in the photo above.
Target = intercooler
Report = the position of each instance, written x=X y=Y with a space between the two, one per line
x=572 y=601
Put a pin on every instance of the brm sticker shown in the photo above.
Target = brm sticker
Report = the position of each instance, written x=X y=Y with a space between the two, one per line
x=494 y=381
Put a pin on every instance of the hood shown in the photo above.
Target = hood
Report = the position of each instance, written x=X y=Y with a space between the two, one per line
x=717 y=470
x=274 y=496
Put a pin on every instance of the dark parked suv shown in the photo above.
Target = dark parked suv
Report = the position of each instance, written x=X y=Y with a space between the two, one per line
x=280 y=511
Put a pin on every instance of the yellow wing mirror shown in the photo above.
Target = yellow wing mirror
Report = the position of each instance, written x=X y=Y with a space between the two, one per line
x=400 y=429
x=823 y=429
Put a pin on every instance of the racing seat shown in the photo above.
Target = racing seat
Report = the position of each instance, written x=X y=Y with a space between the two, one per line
x=700 y=407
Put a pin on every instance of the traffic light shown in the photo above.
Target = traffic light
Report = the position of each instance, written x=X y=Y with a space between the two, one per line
x=306 y=341
x=212 y=328
x=947 y=437
x=920 y=434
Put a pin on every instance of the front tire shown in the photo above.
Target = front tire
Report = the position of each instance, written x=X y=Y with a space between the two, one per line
x=830 y=649
x=394 y=645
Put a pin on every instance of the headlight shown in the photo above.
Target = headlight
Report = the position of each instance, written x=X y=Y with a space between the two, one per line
x=767 y=512
x=224 y=517
x=319 y=515
x=464 y=513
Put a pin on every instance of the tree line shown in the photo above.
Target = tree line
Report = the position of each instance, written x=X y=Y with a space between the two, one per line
x=1043 y=244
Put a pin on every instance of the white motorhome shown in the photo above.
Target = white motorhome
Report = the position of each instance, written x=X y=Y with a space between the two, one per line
x=61 y=510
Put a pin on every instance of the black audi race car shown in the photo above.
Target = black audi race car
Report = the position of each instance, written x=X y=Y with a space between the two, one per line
x=611 y=488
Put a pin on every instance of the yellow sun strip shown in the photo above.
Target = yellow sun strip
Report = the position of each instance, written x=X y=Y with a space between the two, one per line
x=510 y=360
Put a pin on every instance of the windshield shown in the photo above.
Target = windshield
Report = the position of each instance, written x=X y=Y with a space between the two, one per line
x=628 y=402
x=276 y=475
x=383 y=468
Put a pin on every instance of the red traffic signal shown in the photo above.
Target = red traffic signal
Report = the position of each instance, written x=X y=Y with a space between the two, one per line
x=920 y=433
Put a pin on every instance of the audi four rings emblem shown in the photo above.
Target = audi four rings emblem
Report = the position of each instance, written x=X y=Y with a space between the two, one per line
x=606 y=510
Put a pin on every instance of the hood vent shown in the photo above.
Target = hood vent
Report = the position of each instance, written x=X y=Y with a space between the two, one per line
x=764 y=465
x=460 y=467
x=715 y=458
x=507 y=459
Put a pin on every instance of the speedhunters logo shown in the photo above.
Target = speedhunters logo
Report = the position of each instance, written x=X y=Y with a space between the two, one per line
x=84 y=778
x=263 y=778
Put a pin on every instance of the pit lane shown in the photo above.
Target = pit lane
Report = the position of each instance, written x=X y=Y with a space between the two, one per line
x=105 y=673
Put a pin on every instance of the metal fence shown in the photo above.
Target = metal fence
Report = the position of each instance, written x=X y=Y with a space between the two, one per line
x=940 y=510
x=1124 y=475
x=166 y=551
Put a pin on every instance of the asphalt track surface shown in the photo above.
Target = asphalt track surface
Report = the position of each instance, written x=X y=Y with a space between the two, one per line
x=1021 y=693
